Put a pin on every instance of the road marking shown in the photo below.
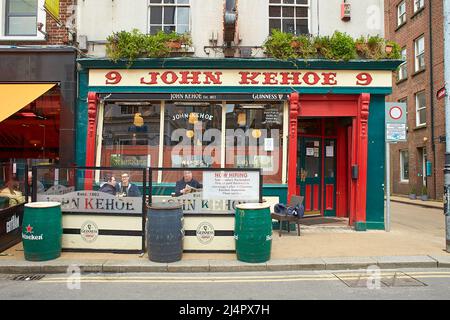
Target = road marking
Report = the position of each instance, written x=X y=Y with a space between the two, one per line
x=243 y=279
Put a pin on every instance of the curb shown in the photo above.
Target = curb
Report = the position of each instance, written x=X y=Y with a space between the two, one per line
x=424 y=204
x=199 y=266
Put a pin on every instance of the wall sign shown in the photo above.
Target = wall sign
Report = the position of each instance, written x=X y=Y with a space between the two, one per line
x=231 y=185
x=238 y=78
x=395 y=122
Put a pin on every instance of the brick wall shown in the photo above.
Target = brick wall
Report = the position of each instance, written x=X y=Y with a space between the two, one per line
x=416 y=25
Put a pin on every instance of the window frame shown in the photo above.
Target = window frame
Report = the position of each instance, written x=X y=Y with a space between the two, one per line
x=403 y=68
x=41 y=18
x=418 y=109
x=402 y=166
x=163 y=5
x=282 y=5
x=421 y=5
x=405 y=100
x=417 y=55
x=401 y=18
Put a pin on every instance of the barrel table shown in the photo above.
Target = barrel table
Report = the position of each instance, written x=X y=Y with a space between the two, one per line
x=42 y=231
x=253 y=232
x=165 y=232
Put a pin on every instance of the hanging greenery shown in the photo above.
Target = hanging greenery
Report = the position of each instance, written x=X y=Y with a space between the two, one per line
x=340 y=46
x=135 y=44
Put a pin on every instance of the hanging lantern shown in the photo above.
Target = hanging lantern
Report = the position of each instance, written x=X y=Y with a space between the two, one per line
x=242 y=119
x=256 y=133
x=190 y=134
x=193 y=118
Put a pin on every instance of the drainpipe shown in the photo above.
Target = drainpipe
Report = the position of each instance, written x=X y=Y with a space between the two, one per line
x=447 y=122
x=433 y=146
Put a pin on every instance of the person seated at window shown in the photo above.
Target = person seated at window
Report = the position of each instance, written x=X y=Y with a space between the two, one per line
x=40 y=186
x=187 y=184
x=126 y=188
x=109 y=186
x=11 y=191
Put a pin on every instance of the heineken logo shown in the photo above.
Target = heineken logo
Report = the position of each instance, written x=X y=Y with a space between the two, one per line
x=205 y=232
x=32 y=237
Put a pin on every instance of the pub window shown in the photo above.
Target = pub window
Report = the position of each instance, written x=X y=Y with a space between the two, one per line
x=419 y=47
x=130 y=135
x=402 y=72
x=404 y=166
x=192 y=136
x=290 y=16
x=401 y=13
x=418 y=4
x=254 y=138
x=421 y=109
x=21 y=17
x=169 y=16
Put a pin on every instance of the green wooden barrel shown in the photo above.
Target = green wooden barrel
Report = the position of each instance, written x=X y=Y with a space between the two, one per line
x=253 y=232
x=42 y=231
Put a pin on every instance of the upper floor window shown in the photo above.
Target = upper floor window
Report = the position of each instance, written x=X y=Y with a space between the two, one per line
x=169 y=16
x=419 y=47
x=290 y=16
x=403 y=68
x=421 y=109
x=21 y=17
x=418 y=4
x=401 y=13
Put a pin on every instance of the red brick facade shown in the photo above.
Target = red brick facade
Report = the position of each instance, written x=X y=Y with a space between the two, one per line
x=416 y=25
x=57 y=34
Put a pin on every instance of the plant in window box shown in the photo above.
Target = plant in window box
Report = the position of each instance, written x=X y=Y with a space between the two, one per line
x=342 y=47
x=279 y=45
x=361 y=47
x=424 y=195
x=303 y=47
x=412 y=193
x=375 y=48
x=322 y=45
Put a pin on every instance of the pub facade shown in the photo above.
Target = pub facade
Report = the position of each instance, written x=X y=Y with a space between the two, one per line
x=315 y=128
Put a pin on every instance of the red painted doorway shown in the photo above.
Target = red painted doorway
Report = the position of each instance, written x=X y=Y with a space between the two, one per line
x=323 y=175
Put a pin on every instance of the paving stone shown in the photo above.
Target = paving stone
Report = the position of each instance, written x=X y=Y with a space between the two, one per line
x=129 y=266
x=393 y=262
x=189 y=266
x=346 y=263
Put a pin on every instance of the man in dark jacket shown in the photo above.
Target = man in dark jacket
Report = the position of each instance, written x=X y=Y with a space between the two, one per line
x=109 y=186
x=187 y=184
x=126 y=188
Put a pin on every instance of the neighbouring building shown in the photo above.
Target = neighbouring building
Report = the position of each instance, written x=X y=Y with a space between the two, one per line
x=37 y=82
x=417 y=165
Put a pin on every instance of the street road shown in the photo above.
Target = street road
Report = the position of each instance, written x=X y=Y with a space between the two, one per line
x=362 y=284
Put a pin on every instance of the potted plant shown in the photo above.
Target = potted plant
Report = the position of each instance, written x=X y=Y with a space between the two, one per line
x=412 y=193
x=424 y=196
x=393 y=50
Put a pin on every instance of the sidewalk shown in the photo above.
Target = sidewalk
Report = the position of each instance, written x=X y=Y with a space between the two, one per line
x=418 y=202
x=416 y=240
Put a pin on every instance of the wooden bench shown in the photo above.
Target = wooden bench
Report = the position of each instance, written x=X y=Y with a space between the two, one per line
x=295 y=200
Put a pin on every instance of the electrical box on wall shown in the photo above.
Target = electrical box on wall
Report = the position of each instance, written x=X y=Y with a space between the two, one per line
x=345 y=11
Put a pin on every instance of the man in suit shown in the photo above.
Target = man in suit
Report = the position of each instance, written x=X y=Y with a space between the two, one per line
x=126 y=188
x=187 y=184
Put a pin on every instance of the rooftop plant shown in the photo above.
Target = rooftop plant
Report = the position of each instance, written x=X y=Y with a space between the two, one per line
x=135 y=44
x=340 y=46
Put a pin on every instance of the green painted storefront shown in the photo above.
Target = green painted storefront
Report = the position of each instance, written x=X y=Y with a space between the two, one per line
x=376 y=134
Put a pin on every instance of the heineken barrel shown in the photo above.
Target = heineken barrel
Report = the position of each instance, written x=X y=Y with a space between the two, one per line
x=253 y=232
x=42 y=231
x=165 y=232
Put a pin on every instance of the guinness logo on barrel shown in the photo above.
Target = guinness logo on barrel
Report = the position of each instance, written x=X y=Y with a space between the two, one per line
x=205 y=233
